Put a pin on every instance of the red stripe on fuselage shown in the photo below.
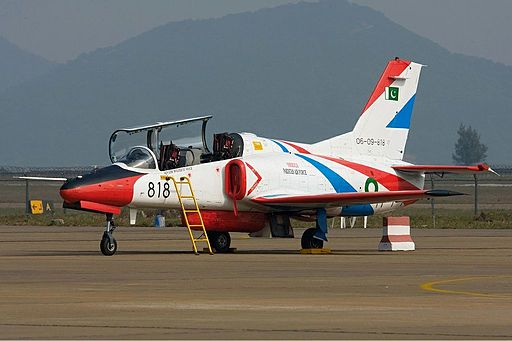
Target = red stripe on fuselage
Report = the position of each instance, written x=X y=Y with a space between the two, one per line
x=298 y=148
x=118 y=192
x=394 y=68
x=388 y=180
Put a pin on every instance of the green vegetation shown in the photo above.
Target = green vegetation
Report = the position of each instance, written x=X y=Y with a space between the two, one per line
x=453 y=218
x=468 y=149
x=17 y=217
x=420 y=218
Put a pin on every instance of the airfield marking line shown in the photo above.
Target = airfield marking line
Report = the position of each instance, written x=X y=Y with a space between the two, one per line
x=429 y=286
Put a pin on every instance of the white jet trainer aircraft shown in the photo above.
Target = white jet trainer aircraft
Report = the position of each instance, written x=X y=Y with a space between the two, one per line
x=248 y=183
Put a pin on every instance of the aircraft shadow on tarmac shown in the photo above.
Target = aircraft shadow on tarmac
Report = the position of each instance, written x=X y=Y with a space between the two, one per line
x=348 y=252
x=64 y=253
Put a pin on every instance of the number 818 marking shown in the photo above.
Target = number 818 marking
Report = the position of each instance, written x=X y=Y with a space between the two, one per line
x=152 y=191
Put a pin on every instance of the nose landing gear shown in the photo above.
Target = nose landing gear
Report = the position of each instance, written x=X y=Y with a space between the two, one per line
x=108 y=244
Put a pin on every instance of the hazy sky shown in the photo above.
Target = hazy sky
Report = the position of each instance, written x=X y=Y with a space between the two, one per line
x=475 y=27
x=60 y=30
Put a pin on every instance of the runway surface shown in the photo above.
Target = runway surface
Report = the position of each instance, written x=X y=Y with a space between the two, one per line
x=56 y=284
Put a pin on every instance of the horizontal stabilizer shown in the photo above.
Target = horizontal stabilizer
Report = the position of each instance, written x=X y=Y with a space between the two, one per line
x=432 y=169
x=354 y=198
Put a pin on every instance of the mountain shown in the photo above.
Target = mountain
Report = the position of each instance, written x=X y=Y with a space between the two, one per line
x=18 y=66
x=301 y=72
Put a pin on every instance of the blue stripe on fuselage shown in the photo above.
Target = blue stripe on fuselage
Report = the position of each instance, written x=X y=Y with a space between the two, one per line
x=281 y=145
x=340 y=185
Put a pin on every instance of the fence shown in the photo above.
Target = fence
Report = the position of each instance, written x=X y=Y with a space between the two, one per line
x=15 y=191
x=491 y=191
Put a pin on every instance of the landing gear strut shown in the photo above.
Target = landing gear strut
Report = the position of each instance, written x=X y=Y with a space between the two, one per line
x=314 y=238
x=220 y=241
x=108 y=244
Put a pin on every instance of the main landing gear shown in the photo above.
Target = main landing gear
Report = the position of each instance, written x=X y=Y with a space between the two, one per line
x=308 y=240
x=314 y=238
x=220 y=241
x=108 y=244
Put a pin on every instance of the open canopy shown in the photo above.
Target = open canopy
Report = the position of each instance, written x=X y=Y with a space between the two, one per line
x=180 y=142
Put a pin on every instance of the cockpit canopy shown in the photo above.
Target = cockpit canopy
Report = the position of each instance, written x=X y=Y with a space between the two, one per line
x=182 y=140
x=178 y=144
x=169 y=145
x=139 y=157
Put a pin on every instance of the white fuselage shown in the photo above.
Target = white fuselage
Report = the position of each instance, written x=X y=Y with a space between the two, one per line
x=272 y=171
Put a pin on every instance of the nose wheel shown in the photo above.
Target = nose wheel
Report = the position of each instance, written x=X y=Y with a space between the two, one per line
x=108 y=244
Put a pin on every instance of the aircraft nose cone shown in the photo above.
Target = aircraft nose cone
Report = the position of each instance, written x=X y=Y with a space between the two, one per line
x=111 y=185
x=70 y=191
x=69 y=184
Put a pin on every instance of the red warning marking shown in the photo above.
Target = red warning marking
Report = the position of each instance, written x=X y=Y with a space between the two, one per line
x=258 y=176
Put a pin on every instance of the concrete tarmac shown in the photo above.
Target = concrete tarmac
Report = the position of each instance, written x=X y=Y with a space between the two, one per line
x=54 y=283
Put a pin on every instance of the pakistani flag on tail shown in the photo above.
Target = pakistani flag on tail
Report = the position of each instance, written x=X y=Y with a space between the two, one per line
x=391 y=93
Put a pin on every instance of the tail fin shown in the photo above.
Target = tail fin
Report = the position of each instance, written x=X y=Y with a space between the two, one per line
x=383 y=126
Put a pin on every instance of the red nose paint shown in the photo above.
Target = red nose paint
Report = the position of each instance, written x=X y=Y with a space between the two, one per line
x=118 y=192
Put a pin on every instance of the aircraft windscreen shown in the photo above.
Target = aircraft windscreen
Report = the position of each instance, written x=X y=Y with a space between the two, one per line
x=121 y=142
x=139 y=157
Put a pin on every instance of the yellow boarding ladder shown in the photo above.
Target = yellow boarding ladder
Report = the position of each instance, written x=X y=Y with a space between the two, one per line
x=184 y=180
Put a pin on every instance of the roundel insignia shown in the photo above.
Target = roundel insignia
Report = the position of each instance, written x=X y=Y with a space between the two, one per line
x=371 y=181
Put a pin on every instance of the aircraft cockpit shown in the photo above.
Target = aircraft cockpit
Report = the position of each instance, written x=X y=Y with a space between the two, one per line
x=169 y=145
x=139 y=157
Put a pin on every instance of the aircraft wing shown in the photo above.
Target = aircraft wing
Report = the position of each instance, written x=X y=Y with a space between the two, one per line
x=353 y=198
x=40 y=178
x=429 y=169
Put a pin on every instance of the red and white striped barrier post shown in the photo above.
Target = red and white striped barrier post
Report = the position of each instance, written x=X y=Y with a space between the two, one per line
x=396 y=235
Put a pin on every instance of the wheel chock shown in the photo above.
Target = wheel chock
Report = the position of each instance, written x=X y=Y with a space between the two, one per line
x=323 y=251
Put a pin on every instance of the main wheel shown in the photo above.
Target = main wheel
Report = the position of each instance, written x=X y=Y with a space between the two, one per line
x=220 y=241
x=107 y=248
x=309 y=242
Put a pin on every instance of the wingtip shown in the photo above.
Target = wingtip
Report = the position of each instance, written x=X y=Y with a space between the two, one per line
x=484 y=167
x=493 y=171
